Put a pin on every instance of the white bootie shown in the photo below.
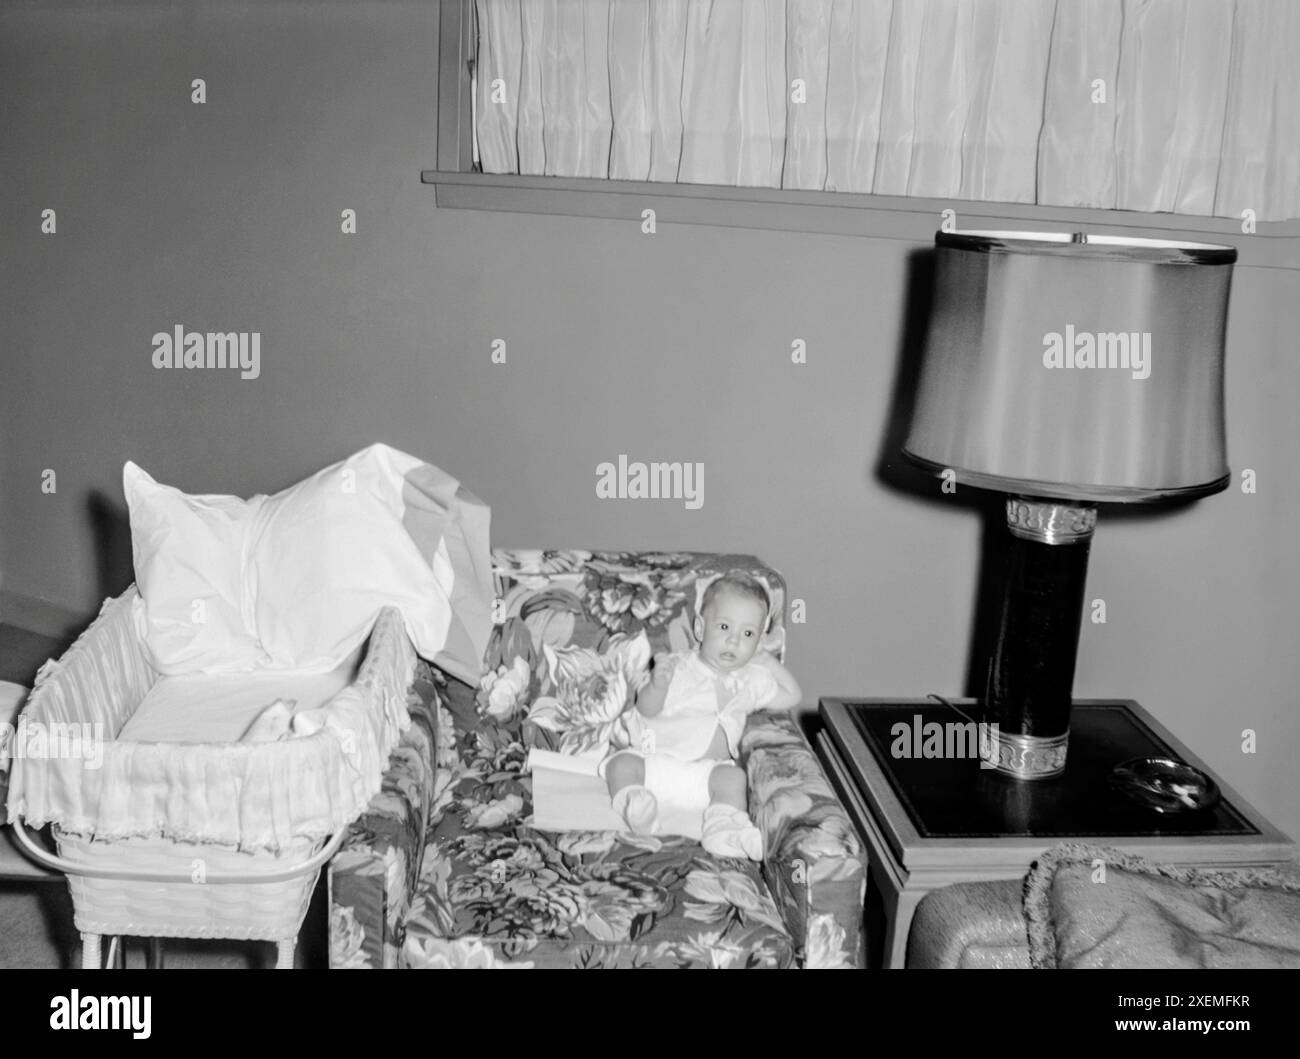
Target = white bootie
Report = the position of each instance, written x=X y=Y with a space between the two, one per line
x=729 y=832
x=271 y=724
x=638 y=807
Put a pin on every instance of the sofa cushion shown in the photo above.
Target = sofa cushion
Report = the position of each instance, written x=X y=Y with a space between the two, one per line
x=522 y=897
x=587 y=694
x=1093 y=907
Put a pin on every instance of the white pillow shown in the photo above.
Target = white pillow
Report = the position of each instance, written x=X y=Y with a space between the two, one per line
x=296 y=580
x=327 y=554
x=188 y=553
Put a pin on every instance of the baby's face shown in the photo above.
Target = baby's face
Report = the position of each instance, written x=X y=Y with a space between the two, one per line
x=732 y=627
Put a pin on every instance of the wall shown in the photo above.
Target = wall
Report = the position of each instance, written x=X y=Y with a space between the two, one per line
x=226 y=217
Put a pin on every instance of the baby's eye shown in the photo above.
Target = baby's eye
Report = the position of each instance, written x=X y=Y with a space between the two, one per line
x=722 y=625
x=749 y=632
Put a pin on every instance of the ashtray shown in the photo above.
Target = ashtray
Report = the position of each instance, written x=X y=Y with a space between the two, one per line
x=1165 y=785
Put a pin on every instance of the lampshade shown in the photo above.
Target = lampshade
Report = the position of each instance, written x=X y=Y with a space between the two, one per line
x=1081 y=368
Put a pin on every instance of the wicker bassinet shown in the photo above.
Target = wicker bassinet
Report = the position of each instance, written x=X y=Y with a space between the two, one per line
x=203 y=840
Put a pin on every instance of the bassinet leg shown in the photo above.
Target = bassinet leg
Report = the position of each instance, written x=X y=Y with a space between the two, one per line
x=153 y=957
x=284 y=954
x=90 y=952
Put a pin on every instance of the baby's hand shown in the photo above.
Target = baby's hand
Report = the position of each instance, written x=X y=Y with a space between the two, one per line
x=662 y=674
x=650 y=699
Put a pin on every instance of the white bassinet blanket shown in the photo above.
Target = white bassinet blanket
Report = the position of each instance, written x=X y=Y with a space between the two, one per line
x=246 y=795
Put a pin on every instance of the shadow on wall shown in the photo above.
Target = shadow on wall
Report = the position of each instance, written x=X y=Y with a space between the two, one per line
x=891 y=469
x=113 y=557
x=895 y=472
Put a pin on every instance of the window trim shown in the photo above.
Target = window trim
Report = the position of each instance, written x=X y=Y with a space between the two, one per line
x=455 y=106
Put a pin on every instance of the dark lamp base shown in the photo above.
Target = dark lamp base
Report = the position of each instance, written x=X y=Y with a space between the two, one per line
x=1031 y=674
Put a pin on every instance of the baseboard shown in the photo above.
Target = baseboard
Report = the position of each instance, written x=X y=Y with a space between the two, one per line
x=40 y=616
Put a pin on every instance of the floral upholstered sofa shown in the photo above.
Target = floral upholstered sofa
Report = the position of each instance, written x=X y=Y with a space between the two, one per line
x=445 y=869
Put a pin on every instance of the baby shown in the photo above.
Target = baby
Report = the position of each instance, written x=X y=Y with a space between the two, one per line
x=689 y=718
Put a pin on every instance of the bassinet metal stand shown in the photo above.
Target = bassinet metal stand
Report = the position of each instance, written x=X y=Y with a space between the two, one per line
x=92 y=951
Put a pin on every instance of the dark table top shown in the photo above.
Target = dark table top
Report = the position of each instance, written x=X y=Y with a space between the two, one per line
x=952 y=797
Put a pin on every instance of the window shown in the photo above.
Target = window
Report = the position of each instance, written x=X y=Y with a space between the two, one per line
x=489 y=59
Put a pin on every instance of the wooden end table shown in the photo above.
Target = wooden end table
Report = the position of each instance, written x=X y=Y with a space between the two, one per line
x=930 y=821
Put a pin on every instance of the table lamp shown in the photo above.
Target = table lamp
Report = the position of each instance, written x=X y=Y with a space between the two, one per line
x=1066 y=370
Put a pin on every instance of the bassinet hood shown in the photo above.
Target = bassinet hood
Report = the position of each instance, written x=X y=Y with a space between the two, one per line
x=296 y=580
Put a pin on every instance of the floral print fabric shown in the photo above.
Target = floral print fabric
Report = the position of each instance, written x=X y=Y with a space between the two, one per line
x=574 y=632
x=373 y=877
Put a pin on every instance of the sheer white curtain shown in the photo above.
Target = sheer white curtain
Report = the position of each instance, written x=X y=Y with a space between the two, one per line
x=1184 y=106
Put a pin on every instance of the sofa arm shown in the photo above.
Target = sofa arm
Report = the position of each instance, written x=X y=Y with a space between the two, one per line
x=372 y=879
x=815 y=865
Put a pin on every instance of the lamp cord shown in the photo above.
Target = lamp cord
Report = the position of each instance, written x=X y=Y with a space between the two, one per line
x=952 y=706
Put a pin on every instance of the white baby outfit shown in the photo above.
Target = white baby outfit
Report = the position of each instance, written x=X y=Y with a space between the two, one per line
x=699 y=701
x=672 y=744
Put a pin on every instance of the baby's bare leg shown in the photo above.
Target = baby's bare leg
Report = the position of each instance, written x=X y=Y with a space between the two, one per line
x=727 y=787
x=726 y=782
x=624 y=770
x=727 y=830
x=625 y=777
